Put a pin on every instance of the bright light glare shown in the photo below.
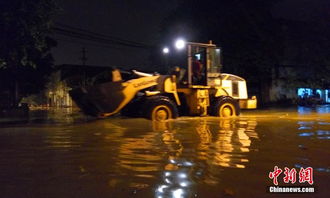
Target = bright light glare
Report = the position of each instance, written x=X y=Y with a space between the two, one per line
x=179 y=44
x=161 y=188
x=183 y=175
x=187 y=163
x=177 y=193
x=166 y=50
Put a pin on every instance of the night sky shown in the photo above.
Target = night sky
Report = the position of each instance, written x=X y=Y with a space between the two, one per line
x=127 y=19
x=138 y=21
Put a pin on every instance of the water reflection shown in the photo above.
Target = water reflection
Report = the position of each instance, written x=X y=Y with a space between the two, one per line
x=187 y=157
x=137 y=155
x=185 y=152
x=214 y=144
x=318 y=169
x=310 y=130
x=323 y=109
x=320 y=109
x=223 y=145
x=320 y=134
x=175 y=178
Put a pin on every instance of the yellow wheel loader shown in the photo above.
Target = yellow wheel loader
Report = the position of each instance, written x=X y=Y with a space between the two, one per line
x=161 y=97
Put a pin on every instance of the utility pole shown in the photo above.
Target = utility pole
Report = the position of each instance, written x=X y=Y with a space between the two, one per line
x=84 y=59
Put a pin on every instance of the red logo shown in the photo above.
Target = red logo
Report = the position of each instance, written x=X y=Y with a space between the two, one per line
x=290 y=175
x=306 y=175
x=273 y=175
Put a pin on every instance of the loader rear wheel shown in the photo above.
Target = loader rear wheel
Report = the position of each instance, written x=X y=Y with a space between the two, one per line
x=160 y=108
x=226 y=107
x=161 y=112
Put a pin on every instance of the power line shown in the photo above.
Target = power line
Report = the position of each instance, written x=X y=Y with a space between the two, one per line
x=93 y=38
x=92 y=43
x=96 y=37
x=101 y=35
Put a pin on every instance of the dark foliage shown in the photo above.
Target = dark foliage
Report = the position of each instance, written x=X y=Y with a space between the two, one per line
x=25 y=45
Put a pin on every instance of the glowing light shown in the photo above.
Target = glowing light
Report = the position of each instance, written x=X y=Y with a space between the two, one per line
x=183 y=175
x=183 y=184
x=178 y=193
x=167 y=174
x=304 y=92
x=167 y=181
x=180 y=44
x=306 y=134
x=166 y=50
x=161 y=188
x=187 y=163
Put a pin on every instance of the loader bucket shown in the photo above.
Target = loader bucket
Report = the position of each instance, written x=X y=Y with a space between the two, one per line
x=103 y=98
x=108 y=98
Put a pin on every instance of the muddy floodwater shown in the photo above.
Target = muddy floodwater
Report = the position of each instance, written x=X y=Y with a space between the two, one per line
x=63 y=154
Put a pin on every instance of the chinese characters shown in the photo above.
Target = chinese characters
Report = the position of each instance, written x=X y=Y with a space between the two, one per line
x=290 y=175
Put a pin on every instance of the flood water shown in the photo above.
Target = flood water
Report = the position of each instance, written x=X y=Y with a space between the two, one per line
x=60 y=154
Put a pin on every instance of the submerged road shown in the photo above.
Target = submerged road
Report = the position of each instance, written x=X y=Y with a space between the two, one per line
x=63 y=154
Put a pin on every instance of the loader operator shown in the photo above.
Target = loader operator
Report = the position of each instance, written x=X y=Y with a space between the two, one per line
x=179 y=74
x=197 y=70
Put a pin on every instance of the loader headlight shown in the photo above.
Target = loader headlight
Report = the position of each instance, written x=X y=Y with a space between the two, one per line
x=180 y=44
x=166 y=50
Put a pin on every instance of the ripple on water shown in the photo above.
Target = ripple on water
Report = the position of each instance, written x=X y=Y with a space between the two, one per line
x=171 y=159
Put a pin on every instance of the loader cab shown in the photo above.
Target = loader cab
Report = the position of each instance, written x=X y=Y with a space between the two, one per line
x=208 y=56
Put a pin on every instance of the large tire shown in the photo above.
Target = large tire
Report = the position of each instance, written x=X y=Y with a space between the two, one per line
x=160 y=108
x=225 y=107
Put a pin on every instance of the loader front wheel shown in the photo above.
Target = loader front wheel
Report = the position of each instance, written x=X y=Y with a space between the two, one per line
x=160 y=108
x=226 y=107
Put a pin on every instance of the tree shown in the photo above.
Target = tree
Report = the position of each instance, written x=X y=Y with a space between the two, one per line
x=25 y=46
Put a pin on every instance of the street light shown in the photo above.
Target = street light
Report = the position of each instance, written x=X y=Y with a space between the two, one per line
x=166 y=50
x=180 y=44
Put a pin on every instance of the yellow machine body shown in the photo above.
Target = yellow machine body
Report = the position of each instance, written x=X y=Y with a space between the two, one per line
x=196 y=98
